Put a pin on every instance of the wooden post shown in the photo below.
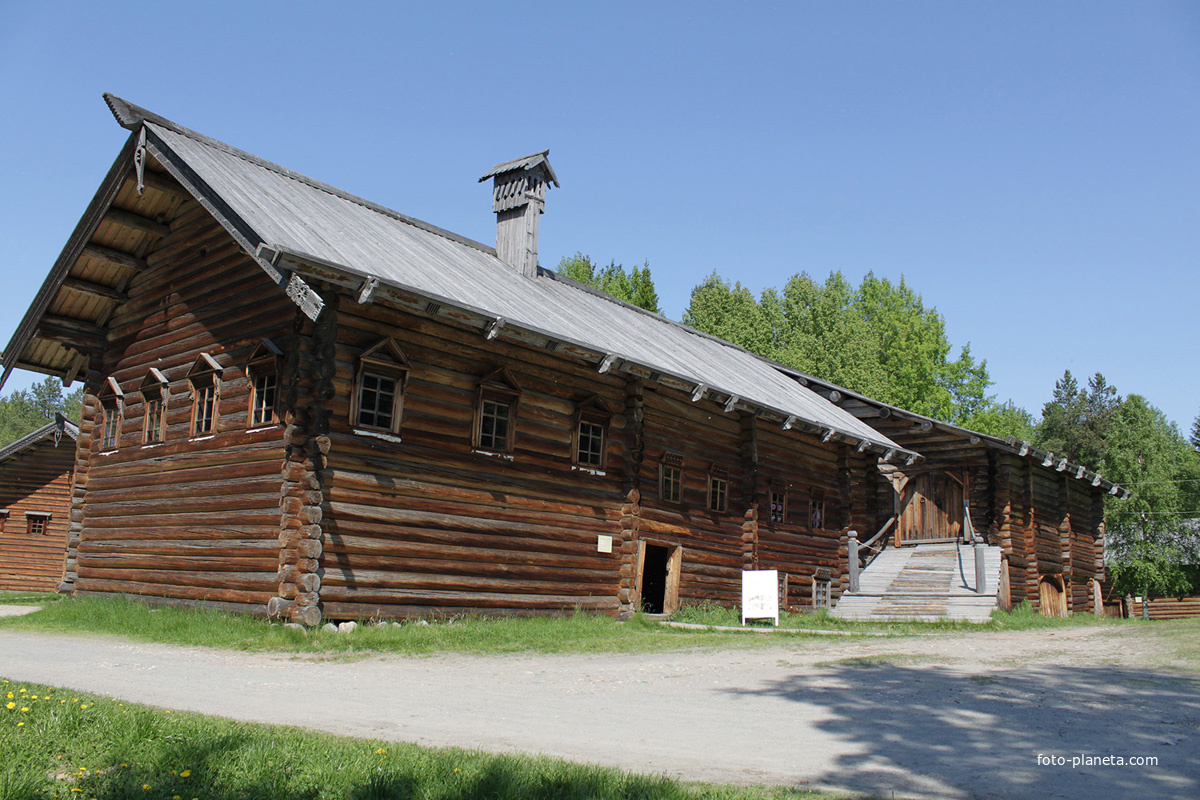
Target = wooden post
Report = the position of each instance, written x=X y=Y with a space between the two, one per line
x=852 y=557
x=980 y=566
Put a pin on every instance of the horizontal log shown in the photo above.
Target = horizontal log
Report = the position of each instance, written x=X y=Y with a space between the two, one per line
x=115 y=257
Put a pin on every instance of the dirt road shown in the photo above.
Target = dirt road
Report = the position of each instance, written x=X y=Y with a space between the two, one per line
x=963 y=716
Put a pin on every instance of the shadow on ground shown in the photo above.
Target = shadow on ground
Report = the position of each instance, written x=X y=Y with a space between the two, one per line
x=941 y=731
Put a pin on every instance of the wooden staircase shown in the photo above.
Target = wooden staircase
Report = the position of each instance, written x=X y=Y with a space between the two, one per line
x=925 y=582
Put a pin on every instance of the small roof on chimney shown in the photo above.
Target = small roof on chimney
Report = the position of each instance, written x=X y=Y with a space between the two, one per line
x=520 y=164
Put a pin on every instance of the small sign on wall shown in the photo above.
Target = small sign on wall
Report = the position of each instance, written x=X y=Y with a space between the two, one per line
x=760 y=595
x=604 y=543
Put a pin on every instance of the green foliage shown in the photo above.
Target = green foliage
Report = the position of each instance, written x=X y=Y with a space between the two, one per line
x=1004 y=421
x=635 y=287
x=23 y=412
x=1195 y=437
x=1077 y=422
x=878 y=339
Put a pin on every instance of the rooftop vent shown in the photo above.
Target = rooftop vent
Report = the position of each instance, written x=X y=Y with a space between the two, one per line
x=519 y=198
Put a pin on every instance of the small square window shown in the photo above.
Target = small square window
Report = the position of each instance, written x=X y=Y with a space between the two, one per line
x=36 y=525
x=3 y=519
x=718 y=493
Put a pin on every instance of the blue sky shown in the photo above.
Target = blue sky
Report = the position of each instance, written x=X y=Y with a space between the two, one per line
x=1032 y=169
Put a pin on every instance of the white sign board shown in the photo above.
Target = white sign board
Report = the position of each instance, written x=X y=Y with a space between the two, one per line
x=760 y=595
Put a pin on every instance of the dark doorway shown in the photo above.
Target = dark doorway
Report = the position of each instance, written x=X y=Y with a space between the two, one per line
x=654 y=579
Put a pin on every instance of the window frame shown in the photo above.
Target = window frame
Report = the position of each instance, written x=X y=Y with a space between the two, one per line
x=383 y=360
x=37 y=523
x=590 y=412
x=817 y=512
x=498 y=387
x=154 y=389
x=672 y=462
x=777 y=511
x=264 y=362
x=205 y=377
x=718 y=490
x=3 y=518
x=112 y=414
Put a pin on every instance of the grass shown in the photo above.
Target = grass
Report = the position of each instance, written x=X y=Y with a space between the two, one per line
x=62 y=744
x=577 y=633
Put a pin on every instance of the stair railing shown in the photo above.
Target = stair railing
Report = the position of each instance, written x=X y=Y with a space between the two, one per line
x=980 y=549
x=860 y=555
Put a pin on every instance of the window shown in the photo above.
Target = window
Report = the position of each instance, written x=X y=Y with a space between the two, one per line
x=205 y=378
x=3 y=518
x=718 y=491
x=591 y=444
x=496 y=412
x=154 y=403
x=816 y=519
x=820 y=593
x=378 y=400
x=112 y=407
x=591 y=421
x=778 y=511
x=670 y=478
x=262 y=372
x=35 y=523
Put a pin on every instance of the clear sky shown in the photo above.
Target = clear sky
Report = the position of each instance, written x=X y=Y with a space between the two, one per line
x=1031 y=168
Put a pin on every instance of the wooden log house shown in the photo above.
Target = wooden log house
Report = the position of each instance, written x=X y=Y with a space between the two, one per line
x=35 y=494
x=304 y=404
x=1044 y=511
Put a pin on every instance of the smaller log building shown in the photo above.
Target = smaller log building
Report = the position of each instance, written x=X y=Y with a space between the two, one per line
x=36 y=473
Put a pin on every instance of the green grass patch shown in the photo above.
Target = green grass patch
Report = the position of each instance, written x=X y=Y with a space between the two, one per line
x=62 y=744
x=1023 y=617
x=30 y=598
x=576 y=633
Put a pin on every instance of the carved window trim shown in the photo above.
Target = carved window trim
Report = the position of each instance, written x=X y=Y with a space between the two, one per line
x=155 y=395
x=589 y=444
x=205 y=380
x=262 y=376
x=383 y=371
x=112 y=413
x=495 y=391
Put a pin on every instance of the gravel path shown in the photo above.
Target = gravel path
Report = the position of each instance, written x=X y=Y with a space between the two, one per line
x=959 y=716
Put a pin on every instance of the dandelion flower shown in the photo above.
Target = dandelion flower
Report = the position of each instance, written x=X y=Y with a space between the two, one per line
x=9 y=695
x=380 y=751
x=33 y=696
x=76 y=790
x=146 y=787
x=24 y=708
x=22 y=691
x=11 y=706
x=185 y=773
x=20 y=724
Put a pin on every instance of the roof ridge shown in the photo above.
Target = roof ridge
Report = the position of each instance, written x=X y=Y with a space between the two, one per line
x=131 y=116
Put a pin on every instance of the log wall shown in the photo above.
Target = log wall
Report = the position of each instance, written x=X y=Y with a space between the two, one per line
x=192 y=518
x=422 y=523
x=38 y=479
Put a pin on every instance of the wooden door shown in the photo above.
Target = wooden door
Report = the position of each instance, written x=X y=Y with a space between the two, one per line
x=932 y=509
x=1052 y=596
